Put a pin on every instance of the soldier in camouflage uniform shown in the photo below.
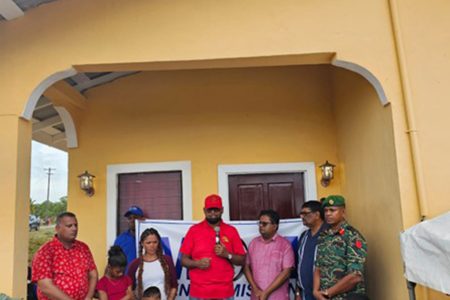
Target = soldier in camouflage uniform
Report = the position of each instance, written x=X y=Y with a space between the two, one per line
x=341 y=254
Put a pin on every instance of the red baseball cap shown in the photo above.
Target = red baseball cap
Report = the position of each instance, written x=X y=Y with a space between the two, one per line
x=213 y=201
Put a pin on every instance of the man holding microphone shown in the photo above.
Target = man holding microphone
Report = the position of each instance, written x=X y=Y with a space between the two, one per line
x=209 y=251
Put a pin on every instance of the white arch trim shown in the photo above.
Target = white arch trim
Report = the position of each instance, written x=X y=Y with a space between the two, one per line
x=40 y=89
x=69 y=126
x=366 y=74
x=308 y=168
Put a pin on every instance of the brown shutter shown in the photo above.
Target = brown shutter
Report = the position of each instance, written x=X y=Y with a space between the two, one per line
x=159 y=194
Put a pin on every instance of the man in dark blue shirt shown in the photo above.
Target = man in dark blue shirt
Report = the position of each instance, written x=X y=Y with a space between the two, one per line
x=312 y=216
x=127 y=240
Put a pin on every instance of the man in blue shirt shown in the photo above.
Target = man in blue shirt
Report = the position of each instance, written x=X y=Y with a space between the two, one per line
x=127 y=240
x=312 y=216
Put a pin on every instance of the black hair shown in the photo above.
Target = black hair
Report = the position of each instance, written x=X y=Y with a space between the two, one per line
x=273 y=215
x=63 y=215
x=116 y=257
x=152 y=291
x=315 y=206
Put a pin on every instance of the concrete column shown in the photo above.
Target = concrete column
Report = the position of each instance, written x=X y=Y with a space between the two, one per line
x=15 y=149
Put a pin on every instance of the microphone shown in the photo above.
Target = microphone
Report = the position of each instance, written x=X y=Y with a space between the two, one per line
x=217 y=230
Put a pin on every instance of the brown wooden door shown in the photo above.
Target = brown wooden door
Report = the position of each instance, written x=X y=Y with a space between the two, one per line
x=159 y=194
x=251 y=193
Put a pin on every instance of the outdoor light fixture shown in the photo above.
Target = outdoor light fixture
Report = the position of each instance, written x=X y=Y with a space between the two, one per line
x=87 y=183
x=327 y=173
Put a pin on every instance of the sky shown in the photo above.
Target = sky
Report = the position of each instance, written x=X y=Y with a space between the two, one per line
x=42 y=157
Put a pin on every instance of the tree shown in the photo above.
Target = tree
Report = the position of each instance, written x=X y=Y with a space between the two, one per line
x=48 y=209
x=32 y=206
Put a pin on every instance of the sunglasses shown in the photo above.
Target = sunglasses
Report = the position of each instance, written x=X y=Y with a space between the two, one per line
x=264 y=224
x=305 y=213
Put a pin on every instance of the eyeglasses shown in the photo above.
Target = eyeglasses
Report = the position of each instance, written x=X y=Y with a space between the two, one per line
x=263 y=224
x=305 y=213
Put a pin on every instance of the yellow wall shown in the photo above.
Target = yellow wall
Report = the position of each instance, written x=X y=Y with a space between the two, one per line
x=66 y=33
x=76 y=33
x=15 y=145
x=370 y=180
x=426 y=44
x=260 y=115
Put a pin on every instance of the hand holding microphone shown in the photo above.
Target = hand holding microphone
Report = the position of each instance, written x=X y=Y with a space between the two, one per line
x=219 y=249
x=217 y=230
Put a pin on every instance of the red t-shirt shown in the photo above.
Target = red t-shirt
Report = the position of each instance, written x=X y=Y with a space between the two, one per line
x=68 y=268
x=217 y=280
x=115 y=289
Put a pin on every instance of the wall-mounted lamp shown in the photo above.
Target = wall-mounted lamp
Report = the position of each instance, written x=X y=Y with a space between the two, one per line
x=327 y=173
x=87 y=183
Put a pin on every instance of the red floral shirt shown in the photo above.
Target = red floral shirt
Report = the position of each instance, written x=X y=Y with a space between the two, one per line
x=68 y=268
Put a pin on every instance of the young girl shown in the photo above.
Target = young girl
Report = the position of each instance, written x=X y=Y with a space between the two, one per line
x=115 y=285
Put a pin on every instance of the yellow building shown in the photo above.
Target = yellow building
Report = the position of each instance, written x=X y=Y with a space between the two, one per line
x=212 y=86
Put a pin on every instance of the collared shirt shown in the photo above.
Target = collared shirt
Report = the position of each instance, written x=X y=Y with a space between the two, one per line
x=68 y=268
x=127 y=241
x=340 y=253
x=217 y=280
x=307 y=249
x=267 y=259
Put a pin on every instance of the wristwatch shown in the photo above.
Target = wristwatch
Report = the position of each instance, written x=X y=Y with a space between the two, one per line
x=230 y=256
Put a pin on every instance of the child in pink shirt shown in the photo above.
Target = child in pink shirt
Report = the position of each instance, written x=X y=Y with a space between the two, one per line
x=115 y=285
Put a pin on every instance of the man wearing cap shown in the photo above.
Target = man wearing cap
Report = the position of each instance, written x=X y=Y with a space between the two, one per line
x=341 y=254
x=127 y=240
x=209 y=251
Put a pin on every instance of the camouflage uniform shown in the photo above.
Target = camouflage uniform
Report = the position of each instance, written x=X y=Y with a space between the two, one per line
x=340 y=253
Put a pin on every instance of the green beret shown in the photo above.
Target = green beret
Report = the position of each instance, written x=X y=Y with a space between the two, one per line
x=333 y=200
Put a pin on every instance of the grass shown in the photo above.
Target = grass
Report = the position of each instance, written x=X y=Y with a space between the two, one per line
x=38 y=238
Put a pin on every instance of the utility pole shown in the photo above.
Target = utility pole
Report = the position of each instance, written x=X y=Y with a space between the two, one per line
x=47 y=202
x=49 y=174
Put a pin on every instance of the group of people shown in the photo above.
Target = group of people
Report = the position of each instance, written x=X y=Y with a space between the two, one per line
x=329 y=259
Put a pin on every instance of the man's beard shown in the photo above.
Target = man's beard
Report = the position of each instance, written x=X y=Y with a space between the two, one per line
x=214 y=220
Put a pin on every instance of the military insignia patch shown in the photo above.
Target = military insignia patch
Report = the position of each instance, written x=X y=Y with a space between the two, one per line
x=225 y=239
x=341 y=231
x=358 y=244
x=331 y=202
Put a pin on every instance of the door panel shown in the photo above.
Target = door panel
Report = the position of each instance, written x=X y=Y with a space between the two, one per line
x=281 y=197
x=250 y=193
x=159 y=194
x=251 y=196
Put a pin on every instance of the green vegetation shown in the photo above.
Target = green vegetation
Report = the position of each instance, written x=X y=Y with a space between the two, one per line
x=47 y=209
x=38 y=238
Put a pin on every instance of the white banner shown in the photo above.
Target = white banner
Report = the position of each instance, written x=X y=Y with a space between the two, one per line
x=173 y=232
x=425 y=249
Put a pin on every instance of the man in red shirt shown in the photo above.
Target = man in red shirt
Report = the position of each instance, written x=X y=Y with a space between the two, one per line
x=209 y=251
x=64 y=268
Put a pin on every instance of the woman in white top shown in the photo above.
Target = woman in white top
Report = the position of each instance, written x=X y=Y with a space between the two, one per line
x=153 y=268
